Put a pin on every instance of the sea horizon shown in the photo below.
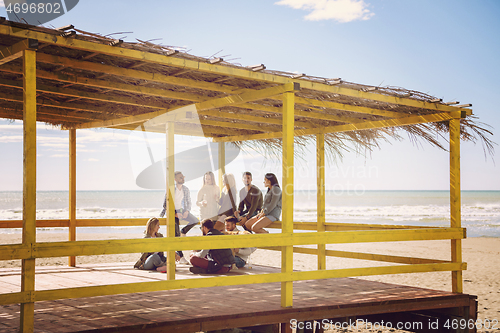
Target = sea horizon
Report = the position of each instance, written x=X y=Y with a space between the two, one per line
x=480 y=208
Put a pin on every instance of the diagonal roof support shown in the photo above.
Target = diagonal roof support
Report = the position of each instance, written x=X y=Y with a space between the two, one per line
x=244 y=97
x=16 y=51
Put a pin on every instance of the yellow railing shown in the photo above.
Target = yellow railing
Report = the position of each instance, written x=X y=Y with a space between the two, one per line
x=345 y=233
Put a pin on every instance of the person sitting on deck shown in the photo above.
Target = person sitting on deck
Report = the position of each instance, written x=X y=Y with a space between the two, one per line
x=250 y=200
x=217 y=261
x=271 y=209
x=152 y=260
x=241 y=255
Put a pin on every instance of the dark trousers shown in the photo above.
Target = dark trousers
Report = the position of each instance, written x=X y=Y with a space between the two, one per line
x=178 y=234
x=203 y=263
x=192 y=221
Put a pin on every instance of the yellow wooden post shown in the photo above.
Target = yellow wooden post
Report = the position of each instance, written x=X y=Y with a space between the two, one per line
x=170 y=197
x=320 y=197
x=287 y=195
x=72 y=191
x=455 y=218
x=29 y=186
x=222 y=162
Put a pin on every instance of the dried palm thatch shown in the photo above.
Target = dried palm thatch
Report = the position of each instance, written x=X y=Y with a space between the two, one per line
x=90 y=84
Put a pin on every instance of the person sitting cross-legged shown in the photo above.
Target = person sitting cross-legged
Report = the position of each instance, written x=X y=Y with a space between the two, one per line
x=241 y=255
x=216 y=261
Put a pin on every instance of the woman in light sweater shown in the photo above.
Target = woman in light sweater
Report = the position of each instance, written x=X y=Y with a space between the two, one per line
x=271 y=210
x=208 y=196
x=227 y=201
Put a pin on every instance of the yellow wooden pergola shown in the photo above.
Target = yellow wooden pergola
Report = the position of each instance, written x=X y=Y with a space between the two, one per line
x=78 y=80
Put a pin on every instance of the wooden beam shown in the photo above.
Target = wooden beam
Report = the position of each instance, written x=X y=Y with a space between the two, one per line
x=328 y=117
x=65 y=105
x=240 y=117
x=411 y=120
x=9 y=53
x=29 y=187
x=132 y=73
x=176 y=95
x=123 y=121
x=455 y=209
x=287 y=195
x=67 y=92
x=196 y=84
x=80 y=248
x=72 y=192
x=180 y=129
x=347 y=107
x=194 y=97
x=207 y=105
x=320 y=196
x=222 y=88
x=247 y=96
x=170 y=195
x=231 y=125
x=61 y=113
x=115 y=86
x=219 y=69
x=42 y=116
x=250 y=118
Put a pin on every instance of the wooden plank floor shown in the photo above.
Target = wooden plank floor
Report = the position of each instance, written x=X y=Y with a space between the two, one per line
x=205 y=309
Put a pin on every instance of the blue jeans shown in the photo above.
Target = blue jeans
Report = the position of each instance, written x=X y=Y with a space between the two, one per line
x=192 y=221
x=153 y=261
x=239 y=262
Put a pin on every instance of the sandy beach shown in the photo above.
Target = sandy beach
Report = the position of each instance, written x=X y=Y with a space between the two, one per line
x=482 y=278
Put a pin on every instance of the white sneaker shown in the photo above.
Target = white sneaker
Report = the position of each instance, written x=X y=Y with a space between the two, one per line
x=183 y=261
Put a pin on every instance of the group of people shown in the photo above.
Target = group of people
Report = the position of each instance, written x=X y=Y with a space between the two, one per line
x=220 y=215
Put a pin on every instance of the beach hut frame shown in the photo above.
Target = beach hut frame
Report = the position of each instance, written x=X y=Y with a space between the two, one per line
x=24 y=47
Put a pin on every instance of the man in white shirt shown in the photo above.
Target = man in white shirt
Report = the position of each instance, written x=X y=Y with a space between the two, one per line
x=182 y=199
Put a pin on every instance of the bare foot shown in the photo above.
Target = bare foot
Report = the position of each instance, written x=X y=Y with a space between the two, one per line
x=161 y=269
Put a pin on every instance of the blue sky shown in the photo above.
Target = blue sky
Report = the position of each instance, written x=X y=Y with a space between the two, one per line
x=449 y=49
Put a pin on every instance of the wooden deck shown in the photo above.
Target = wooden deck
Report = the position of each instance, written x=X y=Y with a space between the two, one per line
x=206 y=309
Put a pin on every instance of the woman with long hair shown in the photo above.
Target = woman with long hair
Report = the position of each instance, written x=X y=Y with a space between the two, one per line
x=152 y=260
x=271 y=209
x=227 y=200
x=208 y=197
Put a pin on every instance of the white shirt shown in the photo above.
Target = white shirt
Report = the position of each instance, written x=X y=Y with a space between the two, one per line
x=179 y=195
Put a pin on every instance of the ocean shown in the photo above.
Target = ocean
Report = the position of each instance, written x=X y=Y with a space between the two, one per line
x=480 y=209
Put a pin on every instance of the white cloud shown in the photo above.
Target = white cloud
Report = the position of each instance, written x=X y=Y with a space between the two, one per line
x=2 y=4
x=92 y=160
x=11 y=138
x=339 y=10
x=60 y=155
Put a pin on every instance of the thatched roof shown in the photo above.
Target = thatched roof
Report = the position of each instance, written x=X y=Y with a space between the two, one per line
x=86 y=80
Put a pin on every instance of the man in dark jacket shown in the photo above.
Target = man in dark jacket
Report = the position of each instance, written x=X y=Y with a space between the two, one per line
x=217 y=261
x=251 y=200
